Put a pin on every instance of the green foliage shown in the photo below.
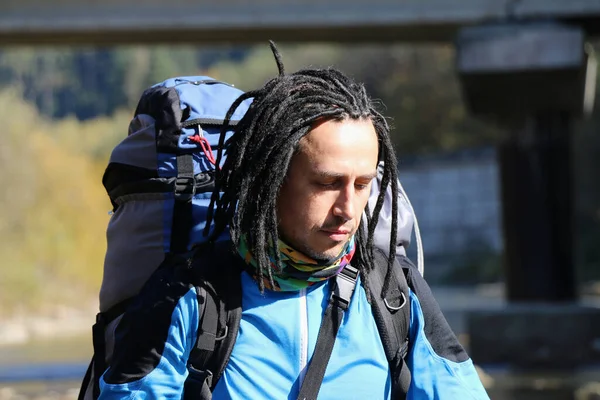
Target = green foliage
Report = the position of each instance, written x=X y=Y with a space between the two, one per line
x=90 y=82
x=55 y=210
x=416 y=84
x=421 y=94
x=259 y=66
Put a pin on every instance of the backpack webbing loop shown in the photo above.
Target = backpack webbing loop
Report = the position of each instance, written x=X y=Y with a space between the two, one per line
x=392 y=308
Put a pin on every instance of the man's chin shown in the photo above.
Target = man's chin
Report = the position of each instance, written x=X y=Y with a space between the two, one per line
x=321 y=251
x=326 y=255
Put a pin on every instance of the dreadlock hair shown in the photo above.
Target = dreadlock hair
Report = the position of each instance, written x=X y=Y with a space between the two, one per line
x=282 y=112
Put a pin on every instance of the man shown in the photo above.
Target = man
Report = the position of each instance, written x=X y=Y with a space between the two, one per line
x=295 y=188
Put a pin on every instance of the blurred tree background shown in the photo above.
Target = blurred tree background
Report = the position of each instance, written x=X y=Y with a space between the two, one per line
x=63 y=110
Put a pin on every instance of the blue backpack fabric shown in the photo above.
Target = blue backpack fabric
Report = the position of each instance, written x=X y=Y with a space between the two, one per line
x=160 y=178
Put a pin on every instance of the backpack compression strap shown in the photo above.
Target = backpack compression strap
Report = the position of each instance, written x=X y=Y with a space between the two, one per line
x=184 y=190
x=341 y=294
x=392 y=316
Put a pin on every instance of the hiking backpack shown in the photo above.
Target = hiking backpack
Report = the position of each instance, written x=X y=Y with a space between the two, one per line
x=159 y=180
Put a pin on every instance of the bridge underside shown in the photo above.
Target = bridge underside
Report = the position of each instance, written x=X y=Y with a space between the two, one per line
x=72 y=22
x=379 y=33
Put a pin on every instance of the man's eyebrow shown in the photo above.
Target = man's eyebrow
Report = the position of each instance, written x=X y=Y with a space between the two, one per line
x=370 y=176
x=337 y=175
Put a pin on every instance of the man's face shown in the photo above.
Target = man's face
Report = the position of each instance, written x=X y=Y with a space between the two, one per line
x=327 y=187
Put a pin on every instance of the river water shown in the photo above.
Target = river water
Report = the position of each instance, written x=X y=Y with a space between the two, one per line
x=44 y=370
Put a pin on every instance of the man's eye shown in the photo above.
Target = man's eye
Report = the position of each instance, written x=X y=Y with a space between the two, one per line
x=326 y=184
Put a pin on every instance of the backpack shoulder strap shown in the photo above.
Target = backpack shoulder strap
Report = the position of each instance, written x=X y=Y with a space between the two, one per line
x=218 y=285
x=339 y=300
x=392 y=316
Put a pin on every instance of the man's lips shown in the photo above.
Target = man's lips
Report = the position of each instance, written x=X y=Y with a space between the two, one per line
x=337 y=231
x=337 y=234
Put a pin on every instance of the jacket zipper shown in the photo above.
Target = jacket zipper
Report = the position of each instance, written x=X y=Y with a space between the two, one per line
x=303 y=335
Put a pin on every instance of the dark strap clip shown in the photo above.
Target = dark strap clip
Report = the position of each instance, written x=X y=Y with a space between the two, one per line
x=404 y=349
x=198 y=384
x=185 y=188
x=345 y=282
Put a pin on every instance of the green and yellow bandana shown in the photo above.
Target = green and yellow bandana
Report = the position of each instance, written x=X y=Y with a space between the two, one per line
x=298 y=270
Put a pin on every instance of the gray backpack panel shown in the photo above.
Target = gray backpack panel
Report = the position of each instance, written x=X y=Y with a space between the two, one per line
x=384 y=223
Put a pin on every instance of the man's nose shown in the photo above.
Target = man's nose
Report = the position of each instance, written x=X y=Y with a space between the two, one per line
x=344 y=205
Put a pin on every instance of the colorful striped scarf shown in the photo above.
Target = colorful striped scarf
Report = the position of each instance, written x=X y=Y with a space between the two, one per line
x=298 y=270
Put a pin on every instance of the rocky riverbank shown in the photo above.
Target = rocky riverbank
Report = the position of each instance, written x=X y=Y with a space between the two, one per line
x=58 y=321
x=56 y=391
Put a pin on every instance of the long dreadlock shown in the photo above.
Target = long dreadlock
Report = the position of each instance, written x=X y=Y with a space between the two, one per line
x=282 y=112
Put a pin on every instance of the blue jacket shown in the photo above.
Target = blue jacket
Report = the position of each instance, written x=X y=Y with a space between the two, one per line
x=277 y=336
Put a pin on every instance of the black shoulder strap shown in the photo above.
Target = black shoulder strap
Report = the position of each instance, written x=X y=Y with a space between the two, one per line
x=341 y=294
x=220 y=305
x=392 y=316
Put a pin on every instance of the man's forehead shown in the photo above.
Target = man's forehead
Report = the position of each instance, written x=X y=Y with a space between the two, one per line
x=339 y=148
x=338 y=133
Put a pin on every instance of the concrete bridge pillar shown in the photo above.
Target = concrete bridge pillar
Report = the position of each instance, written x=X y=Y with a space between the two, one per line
x=533 y=78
